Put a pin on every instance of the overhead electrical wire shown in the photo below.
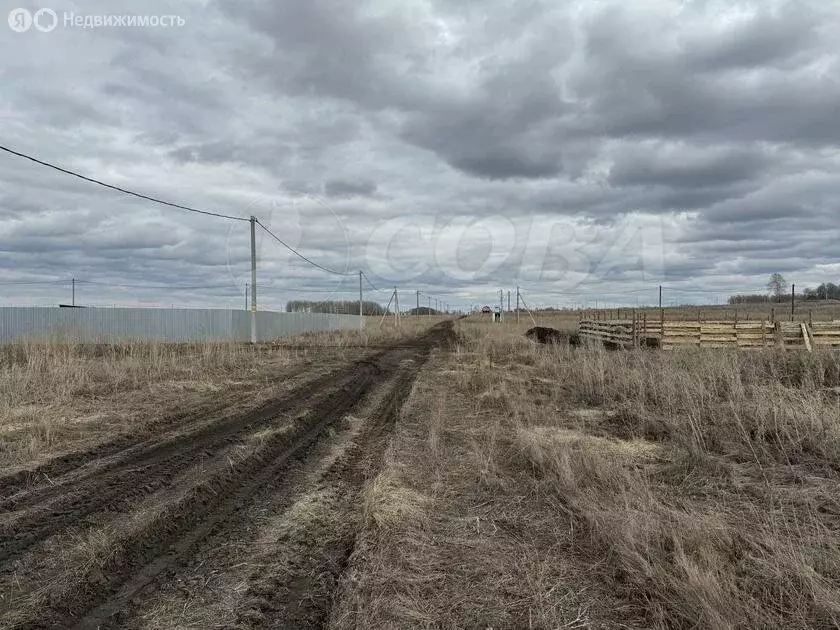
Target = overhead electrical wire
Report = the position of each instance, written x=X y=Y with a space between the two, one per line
x=301 y=256
x=153 y=286
x=122 y=190
x=372 y=286
x=31 y=282
x=653 y=289
x=170 y=204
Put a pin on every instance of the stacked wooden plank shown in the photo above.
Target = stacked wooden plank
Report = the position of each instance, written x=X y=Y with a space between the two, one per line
x=825 y=334
x=713 y=334
x=789 y=334
x=710 y=334
x=616 y=332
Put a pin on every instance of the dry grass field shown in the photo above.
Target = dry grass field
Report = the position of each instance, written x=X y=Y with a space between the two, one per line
x=56 y=397
x=435 y=475
x=551 y=487
x=193 y=485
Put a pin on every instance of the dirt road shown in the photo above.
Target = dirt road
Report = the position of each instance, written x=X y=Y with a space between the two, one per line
x=220 y=520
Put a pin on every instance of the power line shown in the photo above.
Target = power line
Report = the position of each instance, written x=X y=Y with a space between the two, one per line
x=122 y=190
x=173 y=205
x=301 y=256
x=307 y=290
x=173 y=287
x=364 y=275
x=152 y=286
x=619 y=292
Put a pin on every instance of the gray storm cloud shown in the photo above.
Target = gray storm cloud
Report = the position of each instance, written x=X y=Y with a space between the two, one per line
x=576 y=148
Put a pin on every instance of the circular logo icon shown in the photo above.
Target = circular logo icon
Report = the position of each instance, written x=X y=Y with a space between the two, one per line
x=45 y=20
x=20 y=20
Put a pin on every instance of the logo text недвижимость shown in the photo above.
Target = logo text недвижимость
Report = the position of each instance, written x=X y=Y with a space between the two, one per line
x=46 y=20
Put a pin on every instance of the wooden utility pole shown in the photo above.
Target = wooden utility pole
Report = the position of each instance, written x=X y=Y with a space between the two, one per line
x=517 y=304
x=253 y=279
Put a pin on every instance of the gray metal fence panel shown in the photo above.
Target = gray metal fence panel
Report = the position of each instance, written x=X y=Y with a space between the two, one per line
x=105 y=325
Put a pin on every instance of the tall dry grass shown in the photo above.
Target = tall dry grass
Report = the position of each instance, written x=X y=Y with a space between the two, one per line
x=702 y=484
x=376 y=332
x=47 y=373
x=54 y=392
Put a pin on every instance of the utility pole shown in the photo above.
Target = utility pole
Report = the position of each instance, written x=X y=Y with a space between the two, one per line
x=517 y=304
x=430 y=306
x=396 y=308
x=253 y=279
x=508 y=300
x=501 y=304
x=246 y=296
x=418 y=302
x=73 y=297
x=361 y=320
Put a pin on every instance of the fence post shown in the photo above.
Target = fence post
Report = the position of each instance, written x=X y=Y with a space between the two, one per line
x=792 y=300
x=662 y=323
x=635 y=329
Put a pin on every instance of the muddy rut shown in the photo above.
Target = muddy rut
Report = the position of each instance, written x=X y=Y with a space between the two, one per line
x=117 y=536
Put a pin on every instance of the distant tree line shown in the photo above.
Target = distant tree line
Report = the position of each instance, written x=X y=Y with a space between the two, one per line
x=777 y=287
x=749 y=298
x=826 y=291
x=343 y=307
x=423 y=310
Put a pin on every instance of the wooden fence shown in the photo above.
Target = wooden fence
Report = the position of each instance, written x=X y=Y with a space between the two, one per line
x=711 y=334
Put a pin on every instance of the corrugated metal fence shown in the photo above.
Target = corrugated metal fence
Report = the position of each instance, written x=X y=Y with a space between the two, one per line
x=104 y=325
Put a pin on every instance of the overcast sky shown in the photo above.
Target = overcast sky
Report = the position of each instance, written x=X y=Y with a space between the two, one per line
x=583 y=150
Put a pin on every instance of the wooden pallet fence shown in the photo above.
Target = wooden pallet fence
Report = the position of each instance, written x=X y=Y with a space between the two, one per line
x=825 y=334
x=718 y=334
x=713 y=334
x=616 y=332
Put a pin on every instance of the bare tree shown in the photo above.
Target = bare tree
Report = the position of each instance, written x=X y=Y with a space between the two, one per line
x=777 y=286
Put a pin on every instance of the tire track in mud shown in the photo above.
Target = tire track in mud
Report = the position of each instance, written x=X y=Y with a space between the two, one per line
x=296 y=586
x=143 y=470
x=168 y=540
x=41 y=480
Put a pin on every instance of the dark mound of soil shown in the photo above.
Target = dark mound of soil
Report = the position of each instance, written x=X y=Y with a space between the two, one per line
x=543 y=334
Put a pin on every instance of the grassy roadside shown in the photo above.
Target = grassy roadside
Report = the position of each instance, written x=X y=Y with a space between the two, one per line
x=541 y=487
x=378 y=331
x=57 y=397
